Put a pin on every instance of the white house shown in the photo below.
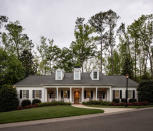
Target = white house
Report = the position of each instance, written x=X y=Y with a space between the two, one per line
x=75 y=87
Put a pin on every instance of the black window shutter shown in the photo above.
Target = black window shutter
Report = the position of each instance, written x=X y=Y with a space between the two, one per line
x=120 y=94
x=133 y=94
x=40 y=94
x=20 y=94
x=103 y=95
x=61 y=93
x=27 y=93
x=68 y=94
x=33 y=94
x=113 y=94
x=84 y=94
x=91 y=94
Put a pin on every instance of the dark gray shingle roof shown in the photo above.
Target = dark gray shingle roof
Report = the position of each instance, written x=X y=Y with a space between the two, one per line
x=115 y=81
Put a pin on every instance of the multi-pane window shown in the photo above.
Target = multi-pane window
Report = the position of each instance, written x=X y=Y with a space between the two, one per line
x=24 y=94
x=65 y=94
x=130 y=93
x=117 y=94
x=37 y=93
x=77 y=75
x=95 y=74
x=59 y=75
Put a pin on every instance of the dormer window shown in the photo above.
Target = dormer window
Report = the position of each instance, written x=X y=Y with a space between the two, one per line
x=77 y=74
x=59 y=74
x=95 y=75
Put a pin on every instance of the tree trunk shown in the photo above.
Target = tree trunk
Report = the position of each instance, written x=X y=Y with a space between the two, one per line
x=135 y=59
x=101 y=57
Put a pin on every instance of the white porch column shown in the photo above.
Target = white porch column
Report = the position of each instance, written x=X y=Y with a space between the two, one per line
x=70 y=94
x=82 y=94
x=56 y=93
x=45 y=94
x=110 y=95
x=96 y=93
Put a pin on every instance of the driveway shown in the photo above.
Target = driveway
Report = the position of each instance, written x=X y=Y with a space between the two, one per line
x=106 y=110
x=139 y=120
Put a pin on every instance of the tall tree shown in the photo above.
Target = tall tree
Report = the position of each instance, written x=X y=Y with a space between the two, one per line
x=11 y=69
x=98 y=21
x=27 y=61
x=117 y=64
x=66 y=61
x=83 y=47
x=111 y=22
x=17 y=41
x=53 y=55
x=127 y=67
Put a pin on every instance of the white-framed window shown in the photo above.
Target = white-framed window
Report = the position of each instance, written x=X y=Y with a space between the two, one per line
x=37 y=94
x=95 y=75
x=24 y=94
x=77 y=74
x=130 y=94
x=116 y=94
x=59 y=75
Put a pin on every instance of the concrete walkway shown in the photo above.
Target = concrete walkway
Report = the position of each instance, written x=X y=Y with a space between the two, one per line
x=106 y=110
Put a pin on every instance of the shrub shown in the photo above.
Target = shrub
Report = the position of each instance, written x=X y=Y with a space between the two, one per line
x=36 y=101
x=26 y=103
x=123 y=100
x=26 y=107
x=8 y=98
x=116 y=100
x=145 y=91
x=132 y=100
x=97 y=103
x=54 y=103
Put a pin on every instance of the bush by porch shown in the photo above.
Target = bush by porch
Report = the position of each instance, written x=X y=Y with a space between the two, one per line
x=131 y=104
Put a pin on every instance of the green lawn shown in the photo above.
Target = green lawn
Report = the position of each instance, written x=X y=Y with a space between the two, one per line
x=44 y=113
x=102 y=106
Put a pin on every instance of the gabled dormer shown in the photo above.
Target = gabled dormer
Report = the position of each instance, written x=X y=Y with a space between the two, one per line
x=59 y=75
x=77 y=74
x=95 y=74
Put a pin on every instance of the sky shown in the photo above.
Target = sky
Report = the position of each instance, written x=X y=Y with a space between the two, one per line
x=55 y=19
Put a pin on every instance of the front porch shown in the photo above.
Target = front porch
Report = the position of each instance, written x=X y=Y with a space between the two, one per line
x=78 y=94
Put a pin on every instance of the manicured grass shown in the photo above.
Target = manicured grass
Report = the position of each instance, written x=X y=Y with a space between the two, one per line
x=44 y=113
x=102 y=106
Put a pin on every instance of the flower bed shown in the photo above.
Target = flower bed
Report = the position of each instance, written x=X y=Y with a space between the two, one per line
x=116 y=104
x=55 y=103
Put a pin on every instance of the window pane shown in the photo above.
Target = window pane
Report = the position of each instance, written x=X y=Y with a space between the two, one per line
x=95 y=75
x=130 y=93
x=77 y=75
x=65 y=94
x=58 y=75
x=24 y=92
x=117 y=94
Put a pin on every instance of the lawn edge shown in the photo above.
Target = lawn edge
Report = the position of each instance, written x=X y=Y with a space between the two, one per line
x=46 y=121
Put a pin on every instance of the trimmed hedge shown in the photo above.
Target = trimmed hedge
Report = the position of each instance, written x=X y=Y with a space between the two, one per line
x=116 y=104
x=123 y=100
x=54 y=103
x=97 y=103
x=25 y=103
x=36 y=101
x=116 y=100
x=132 y=100
x=8 y=98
